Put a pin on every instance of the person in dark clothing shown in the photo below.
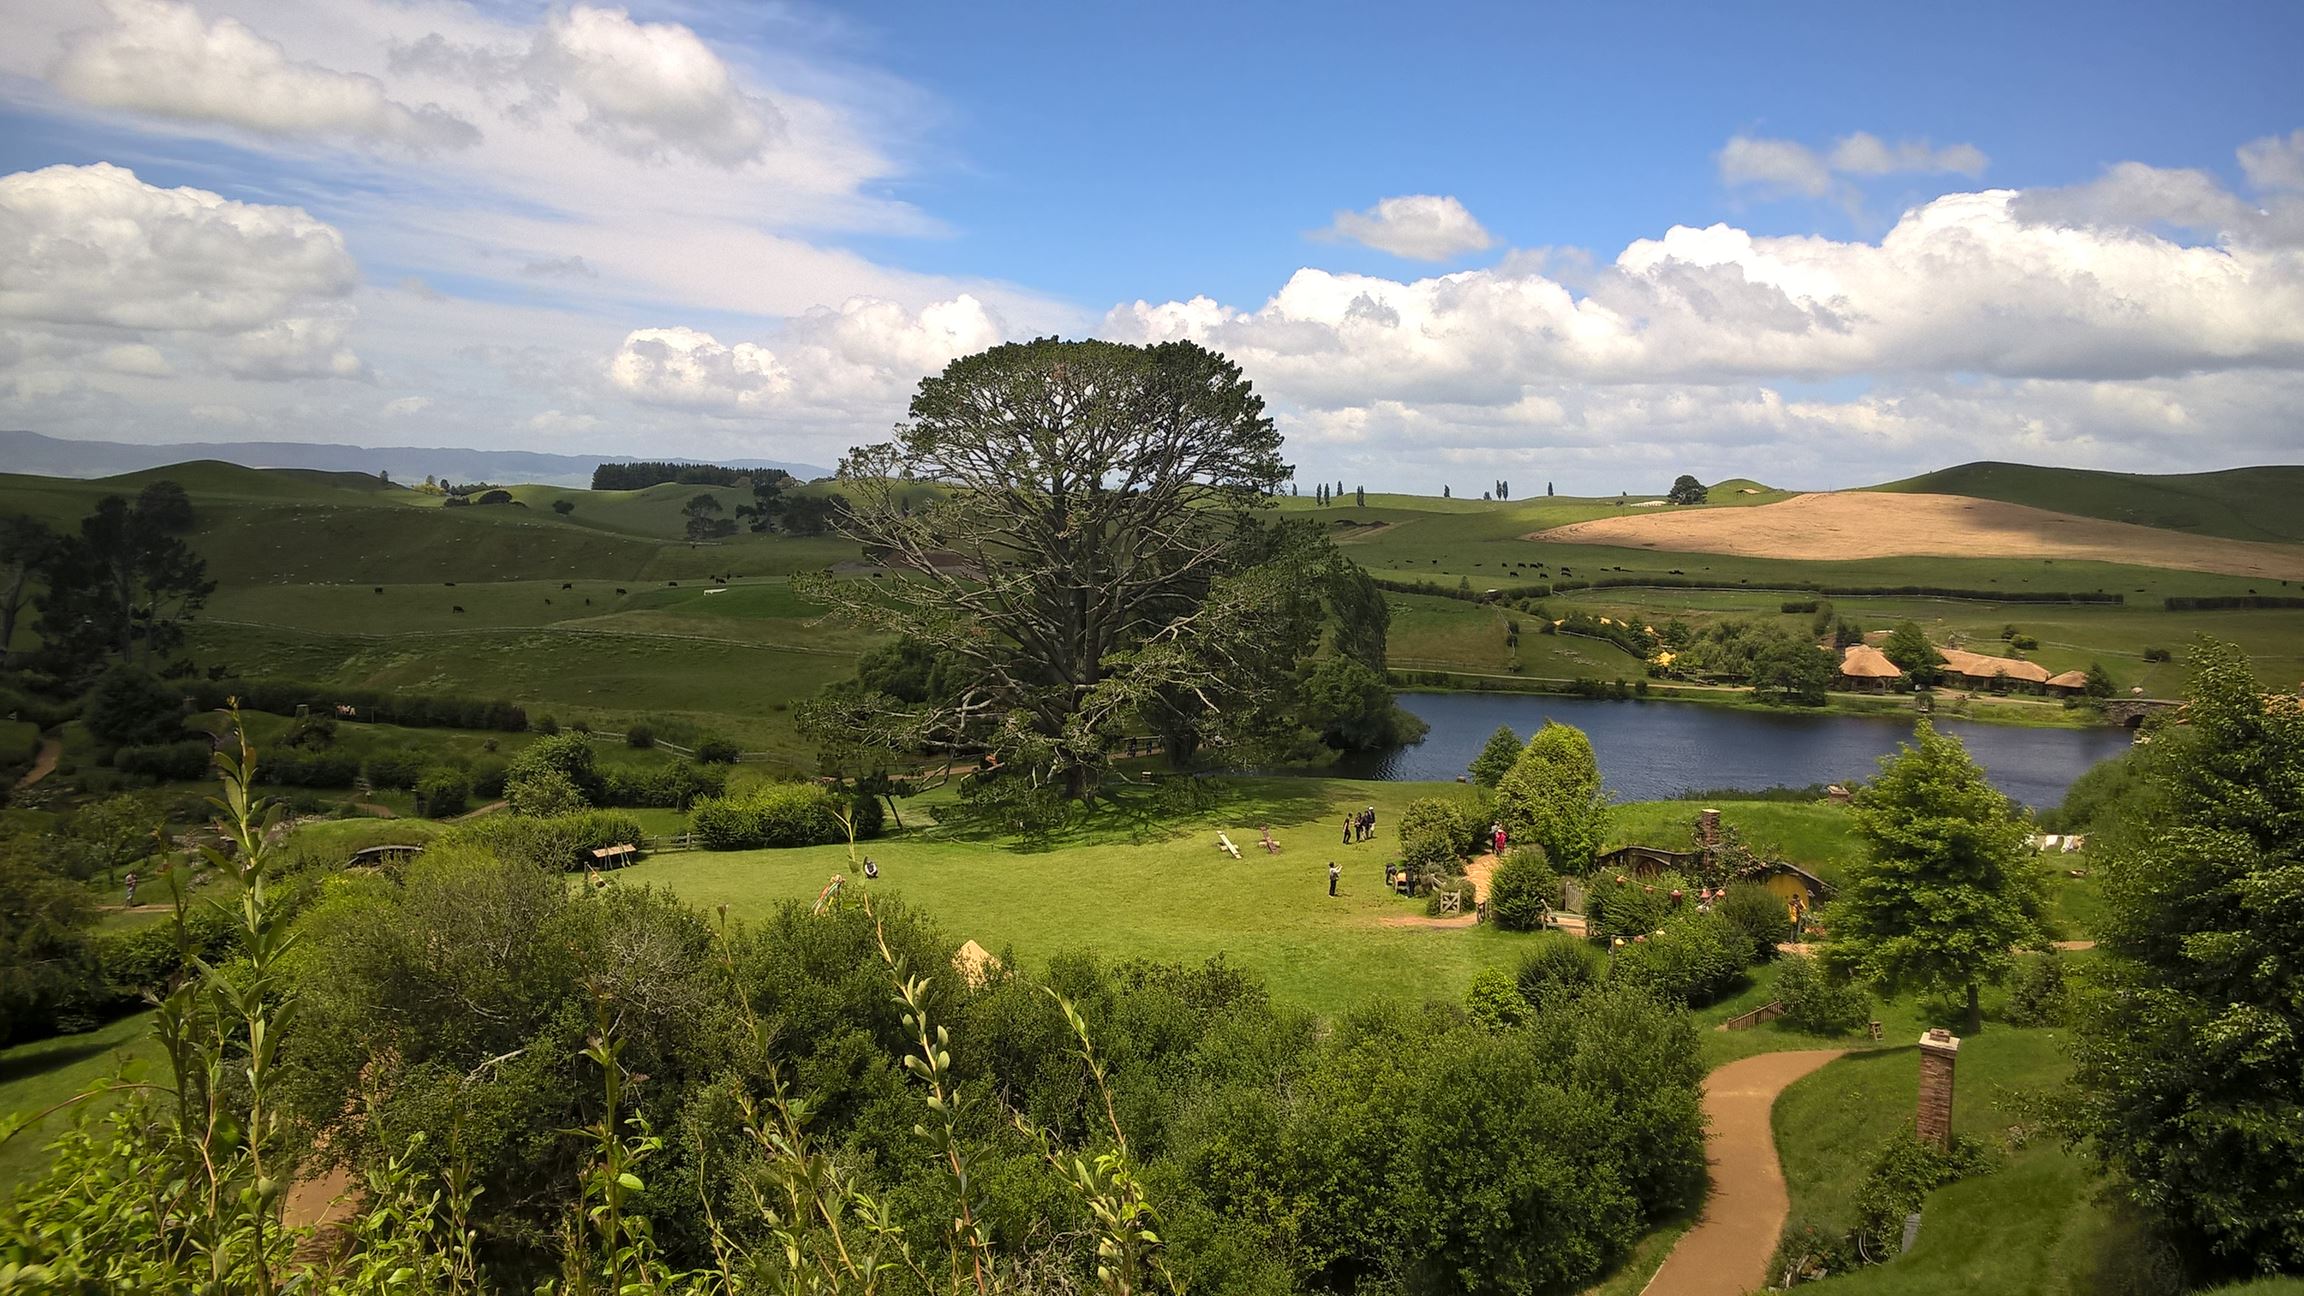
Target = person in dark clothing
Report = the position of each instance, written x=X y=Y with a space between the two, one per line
x=1333 y=874
x=1347 y=830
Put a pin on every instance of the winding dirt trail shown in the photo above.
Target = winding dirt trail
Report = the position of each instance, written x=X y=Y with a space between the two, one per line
x=1726 y=1254
x=43 y=764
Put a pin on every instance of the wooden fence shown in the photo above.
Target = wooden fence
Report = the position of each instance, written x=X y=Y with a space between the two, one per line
x=674 y=842
x=1765 y=1012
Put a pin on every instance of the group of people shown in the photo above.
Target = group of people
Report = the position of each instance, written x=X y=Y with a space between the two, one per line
x=1360 y=827
x=1498 y=838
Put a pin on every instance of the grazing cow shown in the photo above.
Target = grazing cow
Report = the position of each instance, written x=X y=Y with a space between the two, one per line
x=379 y=589
x=566 y=585
x=459 y=608
x=673 y=584
x=449 y=584
x=587 y=602
x=547 y=602
x=619 y=590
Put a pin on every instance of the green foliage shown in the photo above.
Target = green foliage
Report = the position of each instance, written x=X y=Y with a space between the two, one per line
x=1558 y=967
x=558 y=844
x=1495 y=1001
x=1907 y=646
x=542 y=792
x=1686 y=490
x=568 y=754
x=1759 y=914
x=1817 y=1002
x=396 y=767
x=123 y=586
x=717 y=751
x=1904 y=1171
x=1496 y=758
x=775 y=814
x=1435 y=832
x=1791 y=670
x=132 y=706
x=1695 y=959
x=2192 y=1063
x=164 y=762
x=1620 y=907
x=443 y=791
x=2100 y=682
x=2038 y=992
x=639 y=736
x=1551 y=797
x=1522 y=890
x=47 y=960
x=1948 y=887
x=1350 y=706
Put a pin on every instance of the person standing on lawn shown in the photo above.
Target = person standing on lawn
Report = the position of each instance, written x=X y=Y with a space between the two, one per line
x=1333 y=874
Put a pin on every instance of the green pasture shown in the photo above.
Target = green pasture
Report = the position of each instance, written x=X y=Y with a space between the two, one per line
x=2240 y=503
x=35 y=1077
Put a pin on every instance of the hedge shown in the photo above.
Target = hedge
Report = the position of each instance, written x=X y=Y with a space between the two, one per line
x=415 y=710
x=2220 y=602
x=779 y=814
x=560 y=844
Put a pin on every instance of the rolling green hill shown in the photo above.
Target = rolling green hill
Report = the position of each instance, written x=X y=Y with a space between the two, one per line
x=2238 y=503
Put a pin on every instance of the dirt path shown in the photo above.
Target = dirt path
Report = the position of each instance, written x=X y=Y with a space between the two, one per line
x=43 y=764
x=1726 y=1254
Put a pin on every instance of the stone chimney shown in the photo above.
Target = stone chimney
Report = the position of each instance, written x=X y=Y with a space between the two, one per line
x=1708 y=836
x=1939 y=1051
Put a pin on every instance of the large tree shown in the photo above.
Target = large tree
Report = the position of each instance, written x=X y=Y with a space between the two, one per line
x=1687 y=490
x=1907 y=646
x=26 y=548
x=1094 y=556
x=1948 y=887
x=1552 y=797
x=2191 y=1061
x=124 y=584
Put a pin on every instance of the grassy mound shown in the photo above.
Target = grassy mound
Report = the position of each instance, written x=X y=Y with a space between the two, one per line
x=2238 y=503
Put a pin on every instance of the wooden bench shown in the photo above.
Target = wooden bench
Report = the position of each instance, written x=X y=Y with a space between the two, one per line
x=1224 y=844
x=616 y=856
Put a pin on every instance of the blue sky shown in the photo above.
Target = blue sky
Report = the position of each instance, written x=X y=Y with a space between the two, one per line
x=1818 y=244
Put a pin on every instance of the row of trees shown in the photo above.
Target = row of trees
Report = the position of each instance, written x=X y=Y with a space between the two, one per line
x=118 y=589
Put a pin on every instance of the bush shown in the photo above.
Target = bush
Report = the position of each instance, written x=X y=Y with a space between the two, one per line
x=772 y=815
x=443 y=791
x=1695 y=960
x=640 y=736
x=1557 y=965
x=542 y=792
x=548 y=726
x=717 y=751
x=558 y=844
x=1429 y=829
x=1904 y=1171
x=1756 y=911
x=165 y=762
x=398 y=767
x=672 y=787
x=414 y=710
x=571 y=755
x=1631 y=907
x=1817 y=1002
x=1522 y=890
x=130 y=707
x=2038 y=994
x=310 y=769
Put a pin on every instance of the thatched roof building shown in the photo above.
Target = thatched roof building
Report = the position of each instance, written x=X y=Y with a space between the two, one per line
x=1976 y=668
x=2069 y=681
x=1863 y=666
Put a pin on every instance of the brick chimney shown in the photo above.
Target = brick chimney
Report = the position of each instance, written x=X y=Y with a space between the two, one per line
x=1939 y=1051
x=1708 y=836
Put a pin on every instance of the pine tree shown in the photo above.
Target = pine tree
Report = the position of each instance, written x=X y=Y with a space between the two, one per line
x=1495 y=760
x=1547 y=488
x=1443 y=492
x=1359 y=497
x=1948 y=888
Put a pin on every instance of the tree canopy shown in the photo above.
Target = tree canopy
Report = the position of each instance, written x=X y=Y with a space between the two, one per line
x=1495 y=759
x=1687 y=490
x=1948 y=887
x=1551 y=797
x=1908 y=648
x=1093 y=560
x=2191 y=1060
x=122 y=584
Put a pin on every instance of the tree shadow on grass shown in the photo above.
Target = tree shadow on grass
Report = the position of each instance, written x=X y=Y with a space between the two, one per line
x=57 y=1053
x=1135 y=813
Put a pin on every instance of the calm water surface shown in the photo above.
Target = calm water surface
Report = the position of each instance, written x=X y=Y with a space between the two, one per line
x=1652 y=750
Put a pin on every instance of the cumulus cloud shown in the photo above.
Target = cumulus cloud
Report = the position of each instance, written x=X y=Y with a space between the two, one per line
x=1689 y=338
x=96 y=251
x=404 y=406
x=2275 y=164
x=1420 y=227
x=1790 y=167
x=860 y=359
x=161 y=58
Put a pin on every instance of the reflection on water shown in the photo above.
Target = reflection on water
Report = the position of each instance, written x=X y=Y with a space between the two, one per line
x=1652 y=750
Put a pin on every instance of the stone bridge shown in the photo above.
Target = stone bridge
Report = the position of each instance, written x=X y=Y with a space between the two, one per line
x=2130 y=712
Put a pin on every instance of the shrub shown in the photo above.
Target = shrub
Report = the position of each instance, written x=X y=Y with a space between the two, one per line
x=717 y=751
x=130 y=707
x=1557 y=965
x=640 y=736
x=310 y=769
x=165 y=761
x=1756 y=911
x=1694 y=960
x=1633 y=906
x=2038 y=994
x=772 y=815
x=1429 y=829
x=1817 y=1002
x=444 y=790
x=547 y=726
x=558 y=843
x=1904 y=1171
x=571 y=755
x=398 y=767
x=1522 y=890
x=542 y=792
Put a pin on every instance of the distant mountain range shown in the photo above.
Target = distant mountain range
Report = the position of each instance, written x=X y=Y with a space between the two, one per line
x=32 y=453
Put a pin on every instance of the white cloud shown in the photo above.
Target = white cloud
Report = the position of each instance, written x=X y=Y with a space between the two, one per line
x=138 y=358
x=2274 y=164
x=96 y=245
x=555 y=422
x=160 y=57
x=650 y=89
x=404 y=406
x=1421 y=227
x=862 y=359
x=1789 y=167
x=1868 y=155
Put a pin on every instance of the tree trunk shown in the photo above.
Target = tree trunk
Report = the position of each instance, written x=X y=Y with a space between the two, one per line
x=1975 y=1010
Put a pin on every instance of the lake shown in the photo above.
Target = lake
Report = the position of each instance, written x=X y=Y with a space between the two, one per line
x=1650 y=751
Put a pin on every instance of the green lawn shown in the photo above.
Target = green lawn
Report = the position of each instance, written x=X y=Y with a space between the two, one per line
x=1817 y=835
x=37 y=1076
x=1134 y=890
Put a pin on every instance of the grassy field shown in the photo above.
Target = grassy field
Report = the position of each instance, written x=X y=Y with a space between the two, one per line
x=2240 y=503
x=37 y=1076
